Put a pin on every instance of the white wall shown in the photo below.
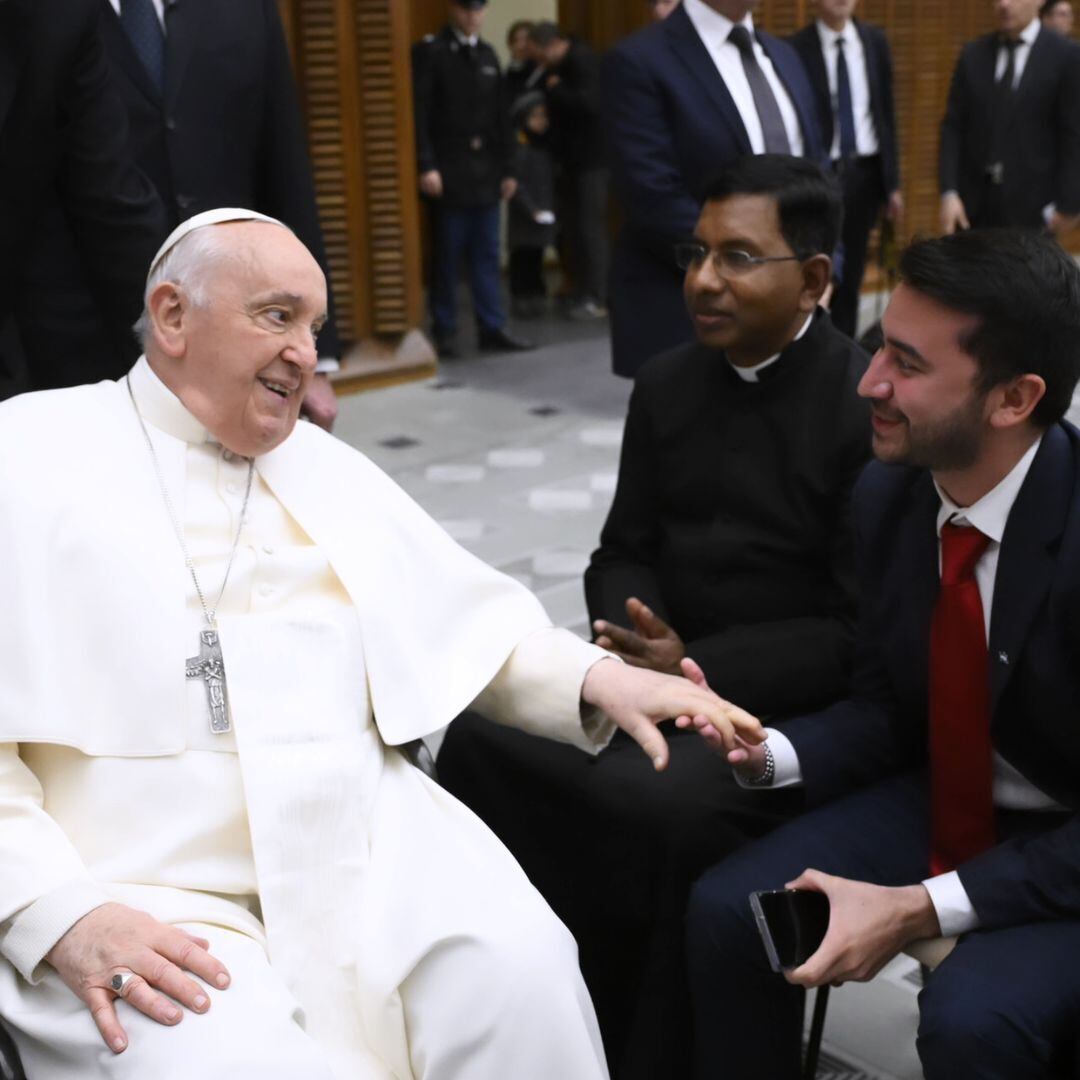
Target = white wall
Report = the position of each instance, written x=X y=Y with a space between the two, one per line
x=502 y=13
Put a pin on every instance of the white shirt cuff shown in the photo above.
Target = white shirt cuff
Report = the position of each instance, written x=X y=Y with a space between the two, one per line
x=787 y=771
x=952 y=904
x=28 y=935
x=327 y=364
x=1048 y=212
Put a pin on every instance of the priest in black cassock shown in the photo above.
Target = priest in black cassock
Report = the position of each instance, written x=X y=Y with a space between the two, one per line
x=727 y=543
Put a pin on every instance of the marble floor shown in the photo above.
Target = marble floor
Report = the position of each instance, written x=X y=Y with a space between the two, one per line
x=516 y=456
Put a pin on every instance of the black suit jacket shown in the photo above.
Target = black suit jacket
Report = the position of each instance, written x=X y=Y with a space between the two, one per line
x=672 y=126
x=65 y=170
x=1034 y=676
x=879 y=76
x=730 y=518
x=1042 y=150
x=227 y=130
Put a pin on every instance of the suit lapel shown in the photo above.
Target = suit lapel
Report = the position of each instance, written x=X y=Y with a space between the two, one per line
x=1036 y=59
x=12 y=15
x=818 y=74
x=984 y=61
x=873 y=73
x=1028 y=561
x=782 y=64
x=183 y=22
x=122 y=52
x=691 y=51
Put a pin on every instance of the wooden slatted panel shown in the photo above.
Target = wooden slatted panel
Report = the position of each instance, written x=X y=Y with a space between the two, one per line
x=385 y=177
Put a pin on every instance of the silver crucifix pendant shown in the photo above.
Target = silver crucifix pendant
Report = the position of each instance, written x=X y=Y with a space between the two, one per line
x=210 y=667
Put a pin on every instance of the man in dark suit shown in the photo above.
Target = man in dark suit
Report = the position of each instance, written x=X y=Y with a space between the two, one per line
x=464 y=153
x=946 y=787
x=1010 y=140
x=850 y=69
x=726 y=542
x=215 y=121
x=65 y=169
x=683 y=98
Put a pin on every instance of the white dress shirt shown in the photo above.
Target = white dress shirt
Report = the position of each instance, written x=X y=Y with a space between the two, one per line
x=1011 y=790
x=866 y=140
x=714 y=29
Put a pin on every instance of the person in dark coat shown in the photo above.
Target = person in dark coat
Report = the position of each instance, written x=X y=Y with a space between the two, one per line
x=464 y=155
x=531 y=217
x=521 y=70
x=727 y=543
x=65 y=171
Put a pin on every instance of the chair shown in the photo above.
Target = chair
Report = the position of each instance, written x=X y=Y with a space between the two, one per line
x=929 y=954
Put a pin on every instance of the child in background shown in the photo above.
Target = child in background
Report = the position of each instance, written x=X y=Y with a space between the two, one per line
x=531 y=224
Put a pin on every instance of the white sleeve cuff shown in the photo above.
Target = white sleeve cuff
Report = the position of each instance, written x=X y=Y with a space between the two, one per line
x=952 y=904
x=327 y=364
x=1048 y=212
x=28 y=935
x=787 y=771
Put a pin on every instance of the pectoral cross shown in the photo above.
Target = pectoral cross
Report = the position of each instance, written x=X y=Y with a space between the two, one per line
x=210 y=667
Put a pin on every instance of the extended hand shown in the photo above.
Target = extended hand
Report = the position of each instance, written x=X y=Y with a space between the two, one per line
x=953 y=214
x=320 y=403
x=651 y=644
x=431 y=183
x=637 y=700
x=868 y=926
x=113 y=939
x=747 y=759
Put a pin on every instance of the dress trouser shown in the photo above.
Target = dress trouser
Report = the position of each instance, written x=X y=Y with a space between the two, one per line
x=614 y=847
x=863 y=199
x=470 y=233
x=1003 y=1006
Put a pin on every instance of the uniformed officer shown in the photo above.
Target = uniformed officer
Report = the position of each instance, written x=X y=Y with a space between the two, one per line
x=464 y=150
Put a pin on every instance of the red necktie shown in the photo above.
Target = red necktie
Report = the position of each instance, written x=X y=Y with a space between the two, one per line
x=961 y=755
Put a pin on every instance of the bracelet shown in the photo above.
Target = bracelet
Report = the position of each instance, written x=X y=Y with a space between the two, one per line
x=766 y=778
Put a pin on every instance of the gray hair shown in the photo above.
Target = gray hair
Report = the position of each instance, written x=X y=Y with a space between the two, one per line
x=187 y=264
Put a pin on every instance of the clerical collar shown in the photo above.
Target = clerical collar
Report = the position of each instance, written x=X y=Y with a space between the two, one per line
x=162 y=408
x=990 y=513
x=753 y=374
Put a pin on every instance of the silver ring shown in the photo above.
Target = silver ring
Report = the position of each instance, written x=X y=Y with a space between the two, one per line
x=119 y=982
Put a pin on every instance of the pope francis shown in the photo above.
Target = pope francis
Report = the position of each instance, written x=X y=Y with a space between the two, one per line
x=218 y=627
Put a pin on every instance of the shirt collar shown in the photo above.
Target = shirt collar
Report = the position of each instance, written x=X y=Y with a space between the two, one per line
x=465 y=39
x=753 y=374
x=1030 y=32
x=159 y=406
x=829 y=36
x=990 y=513
x=712 y=27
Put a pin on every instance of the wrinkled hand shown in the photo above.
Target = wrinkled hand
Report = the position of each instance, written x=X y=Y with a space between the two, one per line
x=953 y=214
x=114 y=938
x=651 y=644
x=868 y=926
x=320 y=403
x=894 y=209
x=747 y=759
x=508 y=188
x=637 y=700
x=431 y=183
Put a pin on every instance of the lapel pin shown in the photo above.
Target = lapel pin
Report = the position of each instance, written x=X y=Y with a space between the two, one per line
x=1003 y=657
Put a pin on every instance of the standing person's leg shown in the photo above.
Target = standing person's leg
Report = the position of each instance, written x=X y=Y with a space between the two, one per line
x=1003 y=1005
x=748 y=1018
x=592 y=241
x=484 y=276
x=863 y=199
x=449 y=235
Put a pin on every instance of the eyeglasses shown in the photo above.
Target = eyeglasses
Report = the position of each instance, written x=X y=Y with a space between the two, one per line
x=691 y=255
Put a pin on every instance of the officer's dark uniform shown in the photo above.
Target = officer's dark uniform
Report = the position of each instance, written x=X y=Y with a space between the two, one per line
x=463 y=130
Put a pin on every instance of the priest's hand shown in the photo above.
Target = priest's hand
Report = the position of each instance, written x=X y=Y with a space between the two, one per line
x=652 y=643
x=114 y=939
x=637 y=699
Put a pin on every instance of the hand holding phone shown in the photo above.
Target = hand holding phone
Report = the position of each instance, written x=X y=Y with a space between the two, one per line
x=792 y=924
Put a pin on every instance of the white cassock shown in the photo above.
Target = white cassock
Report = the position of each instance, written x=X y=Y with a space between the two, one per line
x=373 y=926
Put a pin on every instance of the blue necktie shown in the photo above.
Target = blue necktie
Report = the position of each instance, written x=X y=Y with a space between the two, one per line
x=845 y=112
x=140 y=23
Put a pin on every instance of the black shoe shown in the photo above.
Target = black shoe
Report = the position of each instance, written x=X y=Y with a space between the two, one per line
x=447 y=348
x=500 y=341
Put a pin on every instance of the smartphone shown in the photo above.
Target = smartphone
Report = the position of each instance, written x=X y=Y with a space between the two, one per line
x=792 y=923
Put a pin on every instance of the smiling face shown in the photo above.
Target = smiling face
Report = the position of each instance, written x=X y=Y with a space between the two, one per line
x=928 y=410
x=753 y=314
x=242 y=361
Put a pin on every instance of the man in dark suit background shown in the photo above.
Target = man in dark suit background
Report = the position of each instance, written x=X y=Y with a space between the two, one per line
x=1010 y=140
x=65 y=170
x=726 y=542
x=682 y=100
x=215 y=121
x=850 y=69
x=956 y=760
